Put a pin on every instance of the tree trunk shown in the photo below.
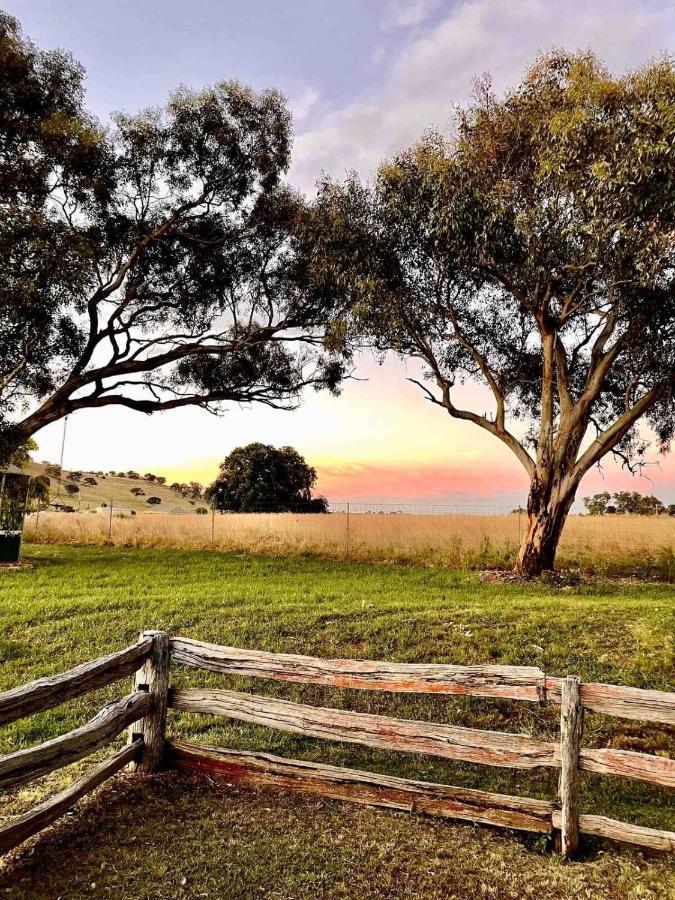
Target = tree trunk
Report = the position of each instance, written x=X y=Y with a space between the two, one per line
x=548 y=506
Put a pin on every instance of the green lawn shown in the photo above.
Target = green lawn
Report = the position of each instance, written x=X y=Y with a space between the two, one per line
x=80 y=602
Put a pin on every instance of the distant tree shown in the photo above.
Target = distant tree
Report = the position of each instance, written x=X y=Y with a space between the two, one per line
x=160 y=479
x=650 y=506
x=597 y=504
x=533 y=253
x=90 y=480
x=201 y=511
x=150 y=265
x=53 y=470
x=635 y=503
x=134 y=475
x=72 y=489
x=671 y=509
x=39 y=489
x=149 y=477
x=154 y=501
x=627 y=502
x=175 y=486
x=195 y=490
x=137 y=492
x=260 y=477
x=74 y=476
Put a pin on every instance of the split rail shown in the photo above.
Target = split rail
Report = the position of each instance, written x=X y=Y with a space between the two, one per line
x=144 y=713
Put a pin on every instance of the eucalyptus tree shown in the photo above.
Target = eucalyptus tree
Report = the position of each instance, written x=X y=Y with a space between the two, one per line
x=534 y=253
x=152 y=264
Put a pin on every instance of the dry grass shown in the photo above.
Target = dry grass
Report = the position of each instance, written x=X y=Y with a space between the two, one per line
x=640 y=545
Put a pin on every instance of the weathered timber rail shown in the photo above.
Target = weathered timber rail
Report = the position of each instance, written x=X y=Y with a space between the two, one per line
x=144 y=712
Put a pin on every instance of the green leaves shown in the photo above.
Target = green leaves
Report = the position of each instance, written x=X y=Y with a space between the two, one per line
x=153 y=265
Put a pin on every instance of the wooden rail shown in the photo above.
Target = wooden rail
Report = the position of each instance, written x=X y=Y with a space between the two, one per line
x=144 y=712
x=30 y=823
x=621 y=701
x=371 y=789
x=25 y=765
x=45 y=693
x=445 y=741
x=510 y=682
x=364 y=787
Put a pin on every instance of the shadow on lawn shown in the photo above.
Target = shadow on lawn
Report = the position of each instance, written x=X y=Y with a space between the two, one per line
x=181 y=836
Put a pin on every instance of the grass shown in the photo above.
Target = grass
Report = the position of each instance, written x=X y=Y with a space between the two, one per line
x=140 y=838
x=617 y=545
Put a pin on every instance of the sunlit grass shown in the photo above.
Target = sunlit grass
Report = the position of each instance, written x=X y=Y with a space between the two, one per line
x=642 y=545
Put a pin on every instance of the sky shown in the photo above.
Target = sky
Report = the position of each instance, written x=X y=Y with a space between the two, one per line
x=363 y=79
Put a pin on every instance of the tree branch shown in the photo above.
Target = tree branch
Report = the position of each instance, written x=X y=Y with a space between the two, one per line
x=611 y=436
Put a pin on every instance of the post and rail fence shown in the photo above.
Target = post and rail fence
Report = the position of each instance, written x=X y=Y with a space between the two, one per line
x=144 y=713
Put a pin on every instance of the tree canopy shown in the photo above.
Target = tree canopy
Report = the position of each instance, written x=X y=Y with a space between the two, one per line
x=262 y=478
x=151 y=264
x=532 y=252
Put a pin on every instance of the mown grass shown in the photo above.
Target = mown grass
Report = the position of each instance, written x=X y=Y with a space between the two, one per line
x=80 y=602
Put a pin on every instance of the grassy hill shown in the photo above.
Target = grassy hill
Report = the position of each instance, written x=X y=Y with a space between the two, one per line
x=110 y=488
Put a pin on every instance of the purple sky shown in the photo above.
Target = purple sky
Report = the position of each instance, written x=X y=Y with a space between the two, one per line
x=363 y=79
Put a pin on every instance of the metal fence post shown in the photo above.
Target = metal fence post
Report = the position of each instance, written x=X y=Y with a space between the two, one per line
x=348 y=522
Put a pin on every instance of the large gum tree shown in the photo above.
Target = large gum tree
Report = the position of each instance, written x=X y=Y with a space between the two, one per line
x=534 y=253
x=152 y=264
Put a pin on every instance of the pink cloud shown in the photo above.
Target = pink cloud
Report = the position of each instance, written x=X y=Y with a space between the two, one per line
x=428 y=482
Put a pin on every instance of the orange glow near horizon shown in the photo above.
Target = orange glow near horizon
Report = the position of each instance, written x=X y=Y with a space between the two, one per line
x=380 y=441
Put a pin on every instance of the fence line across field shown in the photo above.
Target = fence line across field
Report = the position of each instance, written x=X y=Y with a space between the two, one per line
x=144 y=713
x=459 y=535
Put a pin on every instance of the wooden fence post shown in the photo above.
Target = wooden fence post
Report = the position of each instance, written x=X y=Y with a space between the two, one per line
x=153 y=677
x=571 y=730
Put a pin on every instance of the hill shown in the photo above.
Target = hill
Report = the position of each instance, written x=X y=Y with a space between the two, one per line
x=116 y=490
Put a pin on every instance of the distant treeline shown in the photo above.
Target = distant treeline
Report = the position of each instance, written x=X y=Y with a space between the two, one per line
x=627 y=503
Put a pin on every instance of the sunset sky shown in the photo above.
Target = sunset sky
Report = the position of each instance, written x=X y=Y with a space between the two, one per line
x=363 y=79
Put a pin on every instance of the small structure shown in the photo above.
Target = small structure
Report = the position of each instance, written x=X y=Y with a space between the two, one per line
x=14 y=485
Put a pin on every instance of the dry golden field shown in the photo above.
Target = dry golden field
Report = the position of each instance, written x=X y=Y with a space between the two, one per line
x=612 y=544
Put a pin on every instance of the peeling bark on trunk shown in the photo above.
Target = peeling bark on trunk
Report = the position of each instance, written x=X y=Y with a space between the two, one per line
x=548 y=506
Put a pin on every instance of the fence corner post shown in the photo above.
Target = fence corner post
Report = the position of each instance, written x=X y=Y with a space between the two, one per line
x=153 y=677
x=571 y=730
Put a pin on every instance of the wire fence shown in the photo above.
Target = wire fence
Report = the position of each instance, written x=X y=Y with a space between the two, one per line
x=475 y=535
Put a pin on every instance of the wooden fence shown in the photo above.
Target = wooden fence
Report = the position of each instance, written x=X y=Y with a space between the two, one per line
x=144 y=712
